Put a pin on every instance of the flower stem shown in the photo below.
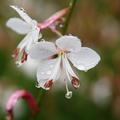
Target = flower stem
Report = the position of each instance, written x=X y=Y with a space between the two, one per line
x=40 y=95
x=72 y=6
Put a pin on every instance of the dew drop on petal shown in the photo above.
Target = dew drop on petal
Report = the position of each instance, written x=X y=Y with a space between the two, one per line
x=42 y=73
x=48 y=72
x=68 y=95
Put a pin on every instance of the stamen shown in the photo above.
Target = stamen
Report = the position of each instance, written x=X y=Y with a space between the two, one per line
x=75 y=82
x=15 y=53
x=24 y=57
x=68 y=95
x=48 y=84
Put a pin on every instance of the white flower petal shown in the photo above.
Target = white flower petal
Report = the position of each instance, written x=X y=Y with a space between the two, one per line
x=45 y=69
x=18 y=25
x=48 y=70
x=42 y=50
x=22 y=13
x=85 y=59
x=35 y=34
x=69 y=43
x=24 y=43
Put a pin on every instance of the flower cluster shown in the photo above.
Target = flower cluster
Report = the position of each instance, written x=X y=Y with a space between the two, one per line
x=58 y=59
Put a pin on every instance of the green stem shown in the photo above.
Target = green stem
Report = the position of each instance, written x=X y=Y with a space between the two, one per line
x=72 y=6
x=40 y=95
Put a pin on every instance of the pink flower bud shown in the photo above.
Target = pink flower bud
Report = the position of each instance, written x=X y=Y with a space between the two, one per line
x=15 y=97
x=57 y=17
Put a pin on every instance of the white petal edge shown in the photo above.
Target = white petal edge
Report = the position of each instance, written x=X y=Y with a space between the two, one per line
x=18 y=25
x=25 y=42
x=35 y=34
x=85 y=59
x=42 y=50
x=22 y=14
x=69 y=43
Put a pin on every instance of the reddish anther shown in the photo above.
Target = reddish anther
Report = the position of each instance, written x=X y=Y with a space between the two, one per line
x=24 y=57
x=75 y=82
x=48 y=84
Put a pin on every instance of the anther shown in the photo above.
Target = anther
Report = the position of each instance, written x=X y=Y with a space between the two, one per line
x=75 y=82
x=48 y=84
x=24 y=57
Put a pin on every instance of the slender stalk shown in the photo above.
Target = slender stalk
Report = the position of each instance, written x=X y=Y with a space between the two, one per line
x=40 y=95
x=72 y=4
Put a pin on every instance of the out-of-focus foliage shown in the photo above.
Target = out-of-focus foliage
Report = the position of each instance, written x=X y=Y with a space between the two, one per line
x=97 y=23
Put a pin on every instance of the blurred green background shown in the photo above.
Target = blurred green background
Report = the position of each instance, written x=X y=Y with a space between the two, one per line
x=97 y=24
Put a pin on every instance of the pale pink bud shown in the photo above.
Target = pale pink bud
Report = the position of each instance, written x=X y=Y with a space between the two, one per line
x=57 y=17
x=20 y=94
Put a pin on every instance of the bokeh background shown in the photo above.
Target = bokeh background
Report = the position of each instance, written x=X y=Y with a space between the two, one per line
x=97 y=24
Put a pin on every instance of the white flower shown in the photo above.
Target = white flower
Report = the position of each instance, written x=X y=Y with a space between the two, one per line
x=56 y=58
x=25 y=26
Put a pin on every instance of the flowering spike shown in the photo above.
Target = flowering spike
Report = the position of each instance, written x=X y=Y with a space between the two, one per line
x=75 y=82
x=15 y=97
x=48 y=84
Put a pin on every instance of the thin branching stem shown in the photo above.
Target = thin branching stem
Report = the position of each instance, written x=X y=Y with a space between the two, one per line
x=72 y=4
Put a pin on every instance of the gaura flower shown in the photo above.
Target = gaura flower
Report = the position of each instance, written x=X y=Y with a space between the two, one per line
x=20 y=94
x=25 y=26
x=31 y=28
x=56 y=61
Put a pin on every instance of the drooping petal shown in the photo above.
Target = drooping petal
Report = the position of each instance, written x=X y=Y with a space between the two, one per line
x=20 y=94
x=18 y=25
x=42 y=50
x=22 y=13
x=47 y=73
x=69 y=43
x=85 y=59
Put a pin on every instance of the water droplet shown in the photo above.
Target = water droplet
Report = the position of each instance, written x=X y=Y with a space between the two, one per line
x=70 y=34
x=61 y=25
x=48 y=72
x=42 y=73
x=68 y=95
x=43 y=40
